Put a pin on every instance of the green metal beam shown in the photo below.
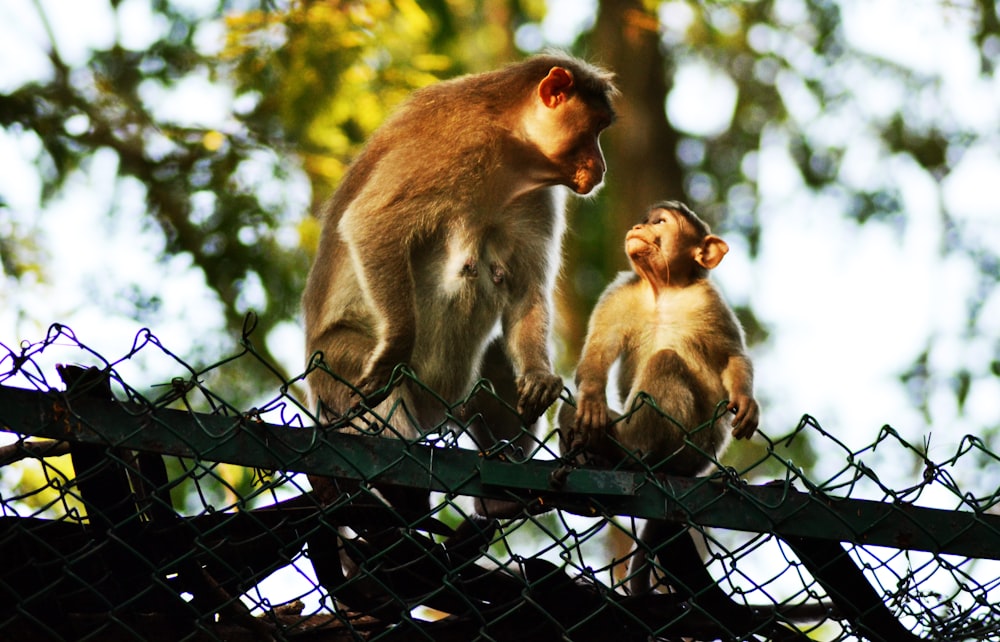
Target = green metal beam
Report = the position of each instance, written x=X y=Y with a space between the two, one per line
x=774 y=508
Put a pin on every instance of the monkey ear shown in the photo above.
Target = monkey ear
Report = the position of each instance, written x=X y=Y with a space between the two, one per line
x=555 y=87
x=710 y=252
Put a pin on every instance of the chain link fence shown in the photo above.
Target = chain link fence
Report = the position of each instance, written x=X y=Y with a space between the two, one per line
x=170 y=513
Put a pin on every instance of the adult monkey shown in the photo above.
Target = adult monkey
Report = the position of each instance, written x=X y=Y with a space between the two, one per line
x=447 y=226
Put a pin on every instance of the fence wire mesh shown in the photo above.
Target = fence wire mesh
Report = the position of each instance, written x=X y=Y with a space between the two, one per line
x=167 y=512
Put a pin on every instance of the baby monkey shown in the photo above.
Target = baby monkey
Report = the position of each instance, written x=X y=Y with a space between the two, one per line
x=679 y=343
x=682 y=347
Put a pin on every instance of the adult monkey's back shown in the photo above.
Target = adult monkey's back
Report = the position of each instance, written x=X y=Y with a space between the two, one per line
x=446 y=228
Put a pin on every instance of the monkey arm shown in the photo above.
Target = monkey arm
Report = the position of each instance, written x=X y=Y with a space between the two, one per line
x=526 y=331
x=605 y=342
x=592 y=413
x=737 y=377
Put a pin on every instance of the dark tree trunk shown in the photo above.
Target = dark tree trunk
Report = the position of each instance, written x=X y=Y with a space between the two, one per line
x=641 y=154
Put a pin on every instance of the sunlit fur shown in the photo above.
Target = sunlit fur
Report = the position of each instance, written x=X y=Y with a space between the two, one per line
x=445 y=233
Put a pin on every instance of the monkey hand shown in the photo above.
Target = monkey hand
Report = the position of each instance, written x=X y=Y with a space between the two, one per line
x=592 y=417
x=747 y=415
x=536 y=391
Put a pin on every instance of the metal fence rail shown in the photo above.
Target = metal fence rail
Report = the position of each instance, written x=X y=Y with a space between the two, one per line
x=172 y=514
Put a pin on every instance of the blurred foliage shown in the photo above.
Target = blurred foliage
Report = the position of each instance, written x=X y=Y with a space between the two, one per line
x=325 y=76
x=310 y=81
x=200 y=184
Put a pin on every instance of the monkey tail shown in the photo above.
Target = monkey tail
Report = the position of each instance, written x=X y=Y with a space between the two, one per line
x=681 y=564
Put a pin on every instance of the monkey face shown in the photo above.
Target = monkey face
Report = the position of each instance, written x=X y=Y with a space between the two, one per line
x=569 y=139
x=663 y=232
x=565 y=126
x=671 y=246
x=640 y=242
x=644 y=247
x=581 y=154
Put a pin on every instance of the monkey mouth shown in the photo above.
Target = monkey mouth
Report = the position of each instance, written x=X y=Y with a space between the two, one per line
x=636 y=244
x=585 y=182
x=640 y=236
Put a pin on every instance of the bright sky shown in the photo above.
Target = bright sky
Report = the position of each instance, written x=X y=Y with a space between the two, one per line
x=848 y=307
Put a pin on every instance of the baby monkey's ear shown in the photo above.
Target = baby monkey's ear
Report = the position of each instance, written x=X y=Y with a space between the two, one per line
x=711 y=251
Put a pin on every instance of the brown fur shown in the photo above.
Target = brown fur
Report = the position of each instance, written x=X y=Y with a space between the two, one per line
x=679 y=343
x=446 y=231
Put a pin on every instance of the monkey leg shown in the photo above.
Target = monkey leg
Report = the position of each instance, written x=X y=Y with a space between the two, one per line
x=677 y=390
x=565 y=420
x=683 y=409
x=493 y=418
x=495 y=424
x=345 y=351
